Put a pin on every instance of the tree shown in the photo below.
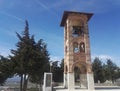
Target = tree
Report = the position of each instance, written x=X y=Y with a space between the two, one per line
x=57 y=71
x=117 y=73
x=111 y=70
x=39 y=68
x=98 y=70
x=107 y=71
x=29 y=58
x=62 y=65
x=5 y=69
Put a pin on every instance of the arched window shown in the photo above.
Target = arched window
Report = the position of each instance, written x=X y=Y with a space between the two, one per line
x=65 y=49
x=82 y=47
x=66 y=31
x=77 y=31
x=76 y=47
x=66 y=69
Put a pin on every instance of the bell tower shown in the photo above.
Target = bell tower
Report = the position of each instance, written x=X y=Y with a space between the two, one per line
x=77 y=50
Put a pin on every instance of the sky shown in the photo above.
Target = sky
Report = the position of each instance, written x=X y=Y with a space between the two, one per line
x=44 y=18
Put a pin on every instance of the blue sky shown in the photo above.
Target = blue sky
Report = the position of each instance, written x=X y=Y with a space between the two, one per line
x=44 y=17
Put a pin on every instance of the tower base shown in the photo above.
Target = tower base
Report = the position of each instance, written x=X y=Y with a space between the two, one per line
x=90 y=81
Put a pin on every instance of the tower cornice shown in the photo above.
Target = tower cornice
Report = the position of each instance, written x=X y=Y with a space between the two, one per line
x=67 y=13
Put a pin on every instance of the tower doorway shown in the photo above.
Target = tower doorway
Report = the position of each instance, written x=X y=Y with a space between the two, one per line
x=80 y=76
x=77 y=76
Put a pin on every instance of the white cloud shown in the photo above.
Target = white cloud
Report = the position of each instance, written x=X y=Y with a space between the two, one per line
x=104 y=57
x=12 y=16
x=55 y=58
x=60 y=3
x=96 y=6
x=42 y=5
x=46 y=7
x=4 y=51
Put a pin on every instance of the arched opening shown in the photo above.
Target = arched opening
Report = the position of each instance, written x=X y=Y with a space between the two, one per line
x=66 y=69
x=77 y=76
x=82 y=47
x=75 y=47
x=80 y=76
x=66 y=49
x=77 y=31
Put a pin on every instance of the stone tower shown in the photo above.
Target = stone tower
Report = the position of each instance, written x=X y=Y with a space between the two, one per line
x=77 y=50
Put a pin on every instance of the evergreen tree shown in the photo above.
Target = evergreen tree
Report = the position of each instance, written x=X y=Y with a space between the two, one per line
x=5 y=69
x=111 y=70
x=39 y=68
x=107 y=71
x=98 y=71
x=29 y=58
x=62 y=65
x=57 y=71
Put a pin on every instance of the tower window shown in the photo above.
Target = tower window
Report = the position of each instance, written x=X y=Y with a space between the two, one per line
x=82 y=47
x=76 y=48
x=77 y=31
x=66 y=49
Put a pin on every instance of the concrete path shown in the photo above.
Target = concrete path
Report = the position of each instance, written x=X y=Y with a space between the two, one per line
x=97 y=88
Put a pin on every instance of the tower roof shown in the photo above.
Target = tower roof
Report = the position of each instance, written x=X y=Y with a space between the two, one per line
x=66 y=14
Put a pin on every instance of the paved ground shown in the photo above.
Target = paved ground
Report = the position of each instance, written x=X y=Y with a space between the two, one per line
x=97 y=88
x=107 y=88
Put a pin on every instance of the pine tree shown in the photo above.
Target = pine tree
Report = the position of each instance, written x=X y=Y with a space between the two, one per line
x=98 y=70
x=111 y=70
x=5 y=69
x=29 y=58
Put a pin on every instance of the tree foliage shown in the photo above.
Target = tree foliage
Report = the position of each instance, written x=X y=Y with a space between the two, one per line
x=30 y=58
x=42 y=65
x=105 y=71
x=111 y=70
x=57 y=71
x=98 y=70
x=5 y=69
